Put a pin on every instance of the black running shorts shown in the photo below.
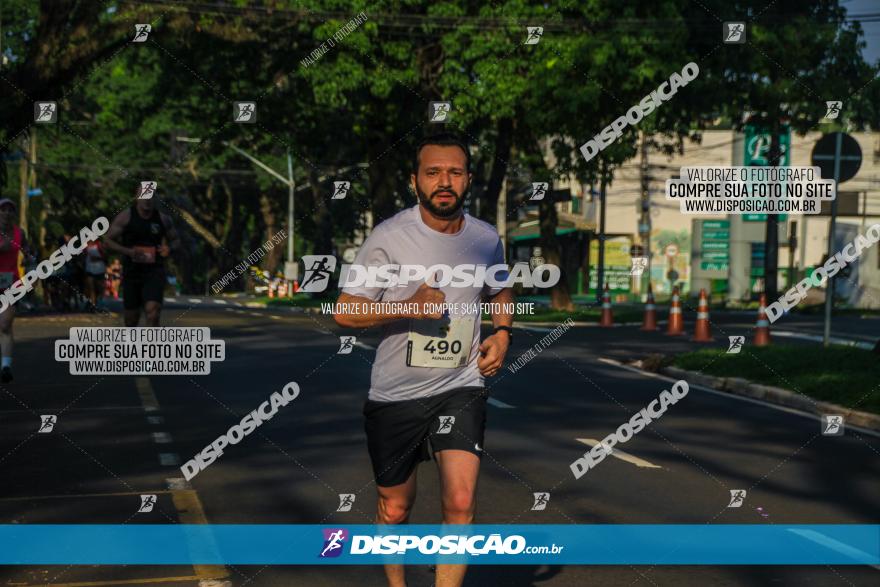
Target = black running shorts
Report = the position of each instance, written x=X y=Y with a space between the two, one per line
x=402 y=434
x=139 y=287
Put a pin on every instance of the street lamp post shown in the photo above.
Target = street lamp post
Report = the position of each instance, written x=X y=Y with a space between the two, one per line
x=291 y=268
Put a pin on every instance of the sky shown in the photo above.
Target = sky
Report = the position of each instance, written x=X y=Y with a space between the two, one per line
x=872 y=29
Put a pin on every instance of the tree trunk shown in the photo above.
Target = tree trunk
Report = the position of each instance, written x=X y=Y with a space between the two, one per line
x=503 y=144
x=270 y=221
x=323 y=221
x=771 y=242
x=560 y=296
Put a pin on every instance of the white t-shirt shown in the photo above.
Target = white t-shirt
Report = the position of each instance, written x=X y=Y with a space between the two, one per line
x=405 y=239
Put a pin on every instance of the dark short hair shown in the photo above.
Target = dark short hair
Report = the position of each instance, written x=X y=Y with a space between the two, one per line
x=443 y=139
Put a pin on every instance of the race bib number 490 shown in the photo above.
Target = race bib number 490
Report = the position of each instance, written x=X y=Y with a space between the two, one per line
x=444 y=343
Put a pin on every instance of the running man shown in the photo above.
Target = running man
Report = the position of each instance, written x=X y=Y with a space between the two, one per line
x=430 y=366
x=145 y=237
x=12 y=241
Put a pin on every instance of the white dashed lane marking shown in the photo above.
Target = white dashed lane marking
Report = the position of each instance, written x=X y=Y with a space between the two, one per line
x=161 y=438
x=168 y=459
x=498 y=403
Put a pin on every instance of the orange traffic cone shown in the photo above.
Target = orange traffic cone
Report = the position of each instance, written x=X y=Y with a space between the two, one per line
x=676 y=322
x=762 y=328
x=650 y=322
x=701 y=331
x=607 y=318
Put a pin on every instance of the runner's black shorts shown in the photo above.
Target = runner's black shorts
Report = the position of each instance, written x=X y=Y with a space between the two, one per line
x=401 y=434
x=139 y=287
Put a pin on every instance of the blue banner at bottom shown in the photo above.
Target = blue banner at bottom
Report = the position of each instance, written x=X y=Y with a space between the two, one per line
x=666 y=544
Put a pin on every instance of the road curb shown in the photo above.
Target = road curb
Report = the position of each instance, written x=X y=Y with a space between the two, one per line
x=775 y=395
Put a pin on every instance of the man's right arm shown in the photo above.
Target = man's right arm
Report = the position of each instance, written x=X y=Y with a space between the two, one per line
x=114 y=234
x=370 y=313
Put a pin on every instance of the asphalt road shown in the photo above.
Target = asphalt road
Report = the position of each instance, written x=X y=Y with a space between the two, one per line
x=119 y=437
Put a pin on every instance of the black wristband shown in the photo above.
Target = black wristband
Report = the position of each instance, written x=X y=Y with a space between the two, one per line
x=507 y=329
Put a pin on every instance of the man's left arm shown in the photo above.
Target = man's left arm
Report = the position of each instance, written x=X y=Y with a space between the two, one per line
x=494 y=348
x=173 y=237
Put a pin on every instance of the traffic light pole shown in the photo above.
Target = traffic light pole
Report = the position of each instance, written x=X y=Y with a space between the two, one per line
x=829 y=288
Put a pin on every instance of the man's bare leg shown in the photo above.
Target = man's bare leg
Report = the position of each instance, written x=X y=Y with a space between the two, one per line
x=152 y=310
x=458 y=476
x=395 y=504
x=6 y=340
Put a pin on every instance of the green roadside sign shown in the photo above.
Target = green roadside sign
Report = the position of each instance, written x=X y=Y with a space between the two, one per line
x=715 y=245
x=763 y=217
x=716 y=224
x=714 y=266
x=756 y=154
x=716 y=256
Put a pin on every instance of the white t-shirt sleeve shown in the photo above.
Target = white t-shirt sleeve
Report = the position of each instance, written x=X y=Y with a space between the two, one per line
x=373 y=253
x=500 y=276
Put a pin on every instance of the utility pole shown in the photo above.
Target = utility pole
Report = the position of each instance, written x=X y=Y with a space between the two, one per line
x=600 y=269
x=501 y=215
x=291 y=263
x=775 y=158
x=23 y=179
x=645 y=217
x=829 y=288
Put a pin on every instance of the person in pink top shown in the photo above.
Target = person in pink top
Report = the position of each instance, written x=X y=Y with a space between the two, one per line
x=12 y=242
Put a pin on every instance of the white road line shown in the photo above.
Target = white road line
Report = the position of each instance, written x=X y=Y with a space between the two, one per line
x=623 y=456
x=535 y=328
x=816 y=338
x=177 y=483
x=498 y=403
x=273 y=317
x=257 y=314
x=194 y=301
x=145 y=391
x=161 y=438
x=168 y=459
x=835 y=545
x=733 y=396
x=155 y=419
x=222 y=302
